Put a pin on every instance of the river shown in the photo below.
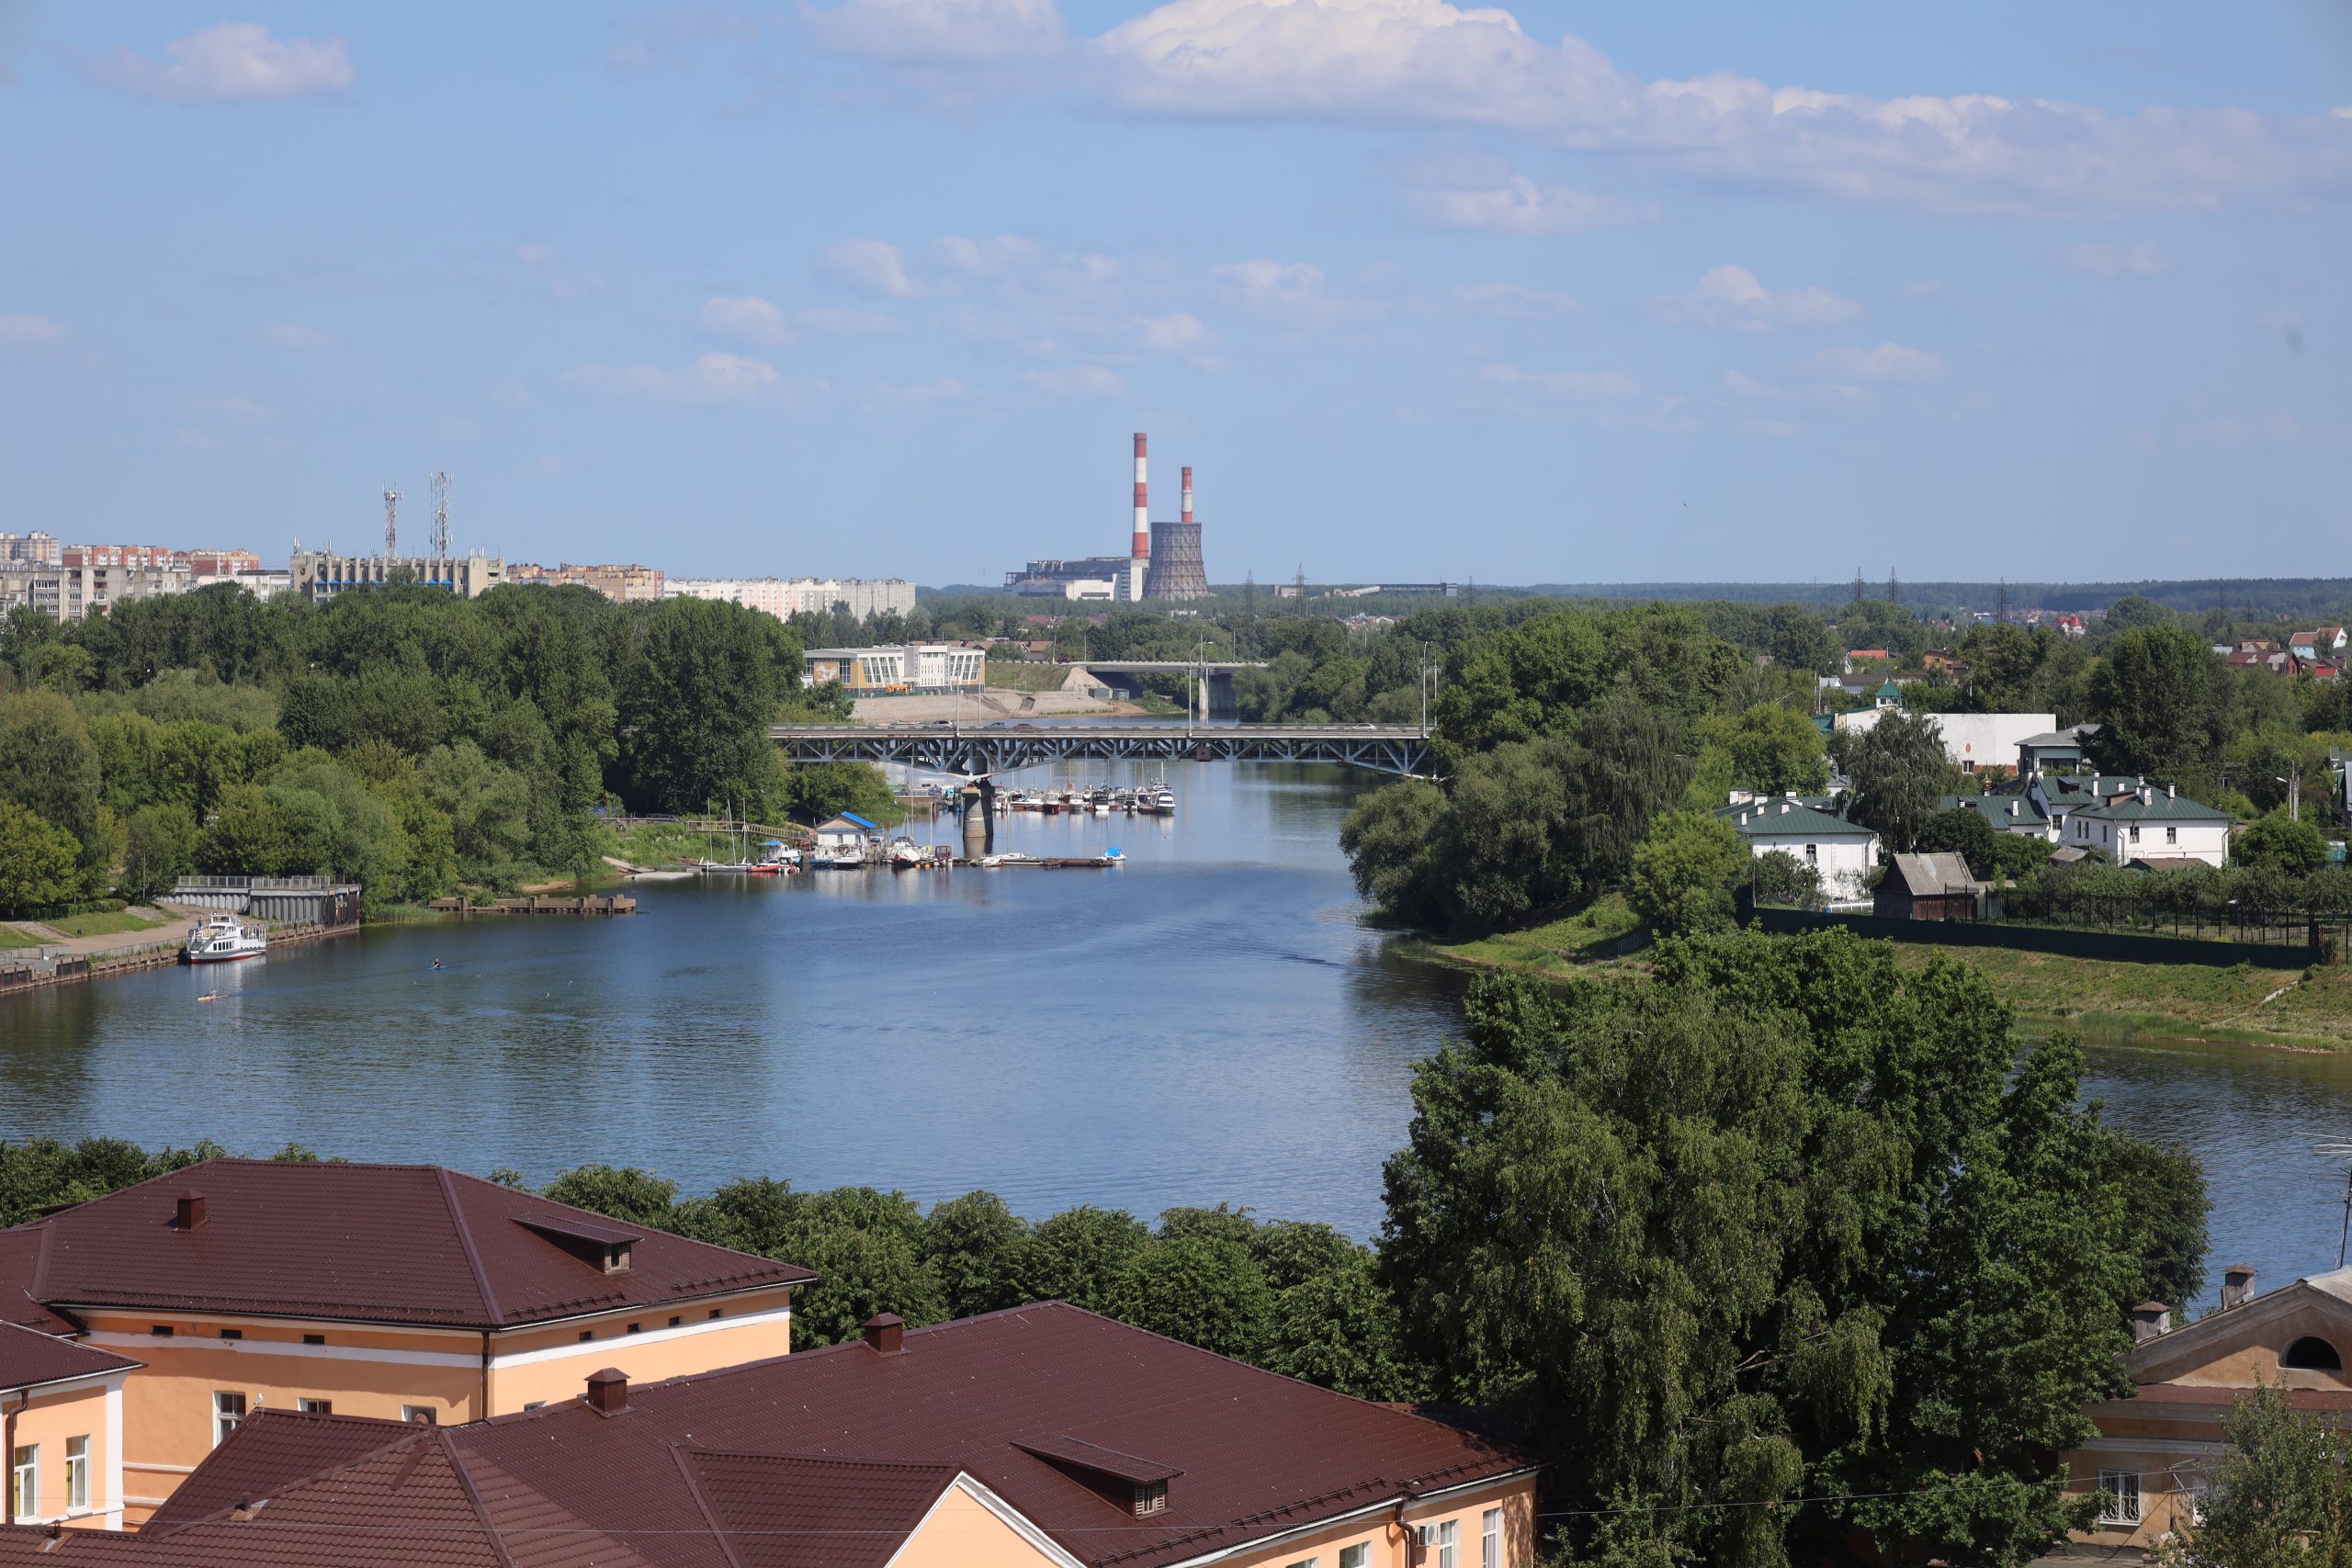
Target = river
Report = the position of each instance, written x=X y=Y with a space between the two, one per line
x=1209 y=1023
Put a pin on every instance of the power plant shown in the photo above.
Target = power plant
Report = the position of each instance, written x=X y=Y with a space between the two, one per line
x=1163 y=559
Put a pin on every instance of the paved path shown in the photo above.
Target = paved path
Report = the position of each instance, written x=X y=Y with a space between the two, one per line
x=56 y=945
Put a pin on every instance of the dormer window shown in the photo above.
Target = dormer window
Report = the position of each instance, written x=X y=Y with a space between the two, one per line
x=2312 y=1354
x=1151 y=1498
x=617 y=1257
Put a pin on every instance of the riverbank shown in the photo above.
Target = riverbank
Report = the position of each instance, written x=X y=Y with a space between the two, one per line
x=2116 y=1003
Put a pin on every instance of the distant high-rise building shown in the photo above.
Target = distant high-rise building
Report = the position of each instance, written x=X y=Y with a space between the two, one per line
x=319 y=576
x=30 y=549
x=630 y=584
x=785 y=597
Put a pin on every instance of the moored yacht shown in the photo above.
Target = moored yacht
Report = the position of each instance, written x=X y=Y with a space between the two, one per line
x=221 y=937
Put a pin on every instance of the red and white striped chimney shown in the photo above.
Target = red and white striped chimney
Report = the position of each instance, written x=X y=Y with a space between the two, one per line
x=1188 y=495
x=1142 y=547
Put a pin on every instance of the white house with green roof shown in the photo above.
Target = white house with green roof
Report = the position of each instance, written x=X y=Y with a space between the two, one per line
x=2158 y=827
x=1842 y=852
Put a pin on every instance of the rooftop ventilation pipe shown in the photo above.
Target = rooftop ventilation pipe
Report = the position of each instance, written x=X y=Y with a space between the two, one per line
x=2150 y=1320
x=2237 y=1285
x=608 y=1392
x=188 y=1211
x=884 y=1331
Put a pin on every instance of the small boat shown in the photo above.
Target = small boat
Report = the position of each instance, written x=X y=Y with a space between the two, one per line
x=1163 y=801
x=712 y=867
x=1010 y=857
x=222 y=939
x=212 y=996
x=904 y=851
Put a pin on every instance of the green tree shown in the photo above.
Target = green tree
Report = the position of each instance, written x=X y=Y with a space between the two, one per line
x=1077 y=1256
x=1776 y=749
x=160 y=847
x=1685 y=871
x=1898 y=770
x=705 y=681
x=2282 y=843
x=865 y=1246
x=488 y=806
x=1790 y=1222
x=1204 y=1290
x=972 y=1246
x=246 y=835
x=628 y=1193
x=1779 y=877
x=1963 y=831
x=1390 y=840
x=48 y=766
x=39 y=862
x=2281 y=1497
x=1338 y=1327
x=2155 y=693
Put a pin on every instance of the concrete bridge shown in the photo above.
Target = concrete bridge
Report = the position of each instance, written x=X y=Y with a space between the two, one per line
x=979 y=750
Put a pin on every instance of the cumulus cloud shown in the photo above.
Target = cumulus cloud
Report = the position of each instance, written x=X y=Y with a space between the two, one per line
x=1077 y=381
x=847 y=324
x=748 y=317
x=1733 y=297
x=1512 y=301
x=1296 y=294
x=1574 y=386
x=1432 y=63
x=931 y=33
x=1887 y=362
x=985 y=258
x=2142 y=260
x=1180 y=333
x=1520 y=206
x=713 y=378
x=227 y=62
x=22 y=330
x=289 y=335
x=242 y=411
x=869 y=266
x=1748 y=390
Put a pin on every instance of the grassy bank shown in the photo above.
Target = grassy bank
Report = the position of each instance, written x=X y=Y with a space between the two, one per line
x=2307 y=1010
x=120 y=922
x=11 y=937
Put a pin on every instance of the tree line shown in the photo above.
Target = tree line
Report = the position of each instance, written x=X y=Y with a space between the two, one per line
x=401 y=737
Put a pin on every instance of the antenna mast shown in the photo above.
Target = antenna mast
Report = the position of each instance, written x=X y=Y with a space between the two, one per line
x=441 y=515
x=392 y=522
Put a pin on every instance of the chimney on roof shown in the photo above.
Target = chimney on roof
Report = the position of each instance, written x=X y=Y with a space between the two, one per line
x=2172 y=792
x=608 y=1392
x=2237 y=1285
x=886 y=1332
x=188 y=1211
x=2150 y=1320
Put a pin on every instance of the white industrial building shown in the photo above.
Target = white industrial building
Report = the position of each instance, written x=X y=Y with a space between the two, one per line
x=1971 y=740
x=785 y=597
x=930 y=667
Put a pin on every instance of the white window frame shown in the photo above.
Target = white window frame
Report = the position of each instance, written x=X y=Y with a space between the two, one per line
x=313 y=1404
x=77 y=1473
x=2123 y=1486
x=1446 y=1536
x=1356 y=1556
x=2172 y=835
x=421 y=1415
x=227 y=1409
x=1490 y=1539
x=24 y=1482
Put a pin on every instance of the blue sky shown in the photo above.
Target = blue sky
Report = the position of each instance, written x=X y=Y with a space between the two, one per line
x=1552 y=293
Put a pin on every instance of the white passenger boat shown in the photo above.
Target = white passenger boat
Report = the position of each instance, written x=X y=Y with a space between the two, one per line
x=1163 y=801
x=221 y=939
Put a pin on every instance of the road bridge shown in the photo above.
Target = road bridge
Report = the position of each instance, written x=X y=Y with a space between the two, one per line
x=974 y=751
x=1212 y=680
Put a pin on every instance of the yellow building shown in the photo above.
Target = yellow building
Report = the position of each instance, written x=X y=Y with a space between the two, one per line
x=405 y=1293
x=1042 y=1436
x=2157 y=1451
x=60 y=1431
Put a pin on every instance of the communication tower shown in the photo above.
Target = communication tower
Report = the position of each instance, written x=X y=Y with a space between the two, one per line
x=392 y=522
x=441 y=515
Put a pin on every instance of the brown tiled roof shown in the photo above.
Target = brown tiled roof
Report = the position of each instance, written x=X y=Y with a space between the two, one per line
x=29 y=1358
x=271 y=1451
x=778 y=1452
x=412 y=1245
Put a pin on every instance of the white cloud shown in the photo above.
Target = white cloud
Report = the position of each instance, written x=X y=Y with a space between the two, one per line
x=1513 y=302
x=920 y=394
x=1574 y=386
x=1432 y=63
x=932 y=33
x=1294 y=293
x=1748 y=388
x=228 y=61
x=21 y=330
x=1733 y=297
x=1887 y=362
x=869 y=266
x=713 y=378
x=1077 y=381
x=985 y=258
x=287 y=335
x=242 y=411
x=1522 y=207
x=848 y=323
x=2142 y=260
x=748 y=317
x=1180 y=333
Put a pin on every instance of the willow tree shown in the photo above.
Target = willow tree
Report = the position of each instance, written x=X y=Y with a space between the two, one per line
x=1789 y=1224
